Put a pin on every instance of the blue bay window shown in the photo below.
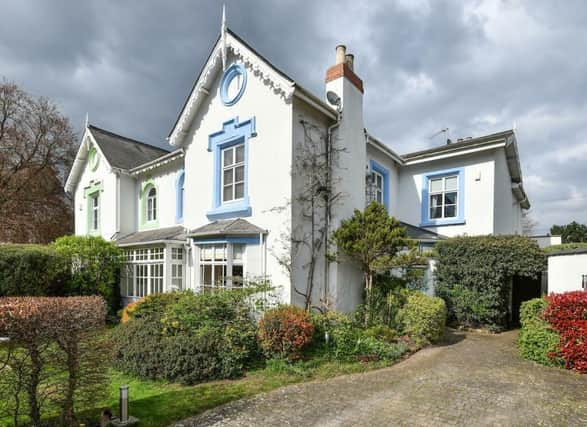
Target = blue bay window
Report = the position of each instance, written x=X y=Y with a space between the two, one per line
x=443 y=198
x=230 y=148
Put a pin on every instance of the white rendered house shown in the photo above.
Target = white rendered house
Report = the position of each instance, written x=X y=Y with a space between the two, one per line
x=225 y=203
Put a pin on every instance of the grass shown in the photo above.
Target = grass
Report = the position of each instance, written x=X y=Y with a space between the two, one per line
x=157 y=403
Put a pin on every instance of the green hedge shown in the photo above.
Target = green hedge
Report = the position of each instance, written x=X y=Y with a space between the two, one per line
x=474 y=276
x=95 y=268
x=72 y=266
x=32 y=270
x=537 y=339
x=423 y=318
x=565 y=247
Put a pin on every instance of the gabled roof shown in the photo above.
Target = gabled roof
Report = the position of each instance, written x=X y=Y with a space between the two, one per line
x=466 y=144
x=122 y=152
x=160 y=235
x=279 y=82
x=227 y=227
x=505 y=139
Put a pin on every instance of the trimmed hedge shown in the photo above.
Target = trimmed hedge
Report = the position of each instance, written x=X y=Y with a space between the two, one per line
x=474 y=276
x=423 y=318
x=71 y=266
x=32 y=270
x=95 y=266
x=187 y=337
x=537 y=340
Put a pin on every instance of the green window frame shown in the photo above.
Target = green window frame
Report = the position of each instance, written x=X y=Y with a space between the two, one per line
x=92 y=195
x=149 y=205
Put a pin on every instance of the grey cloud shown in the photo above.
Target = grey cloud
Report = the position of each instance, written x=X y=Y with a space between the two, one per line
x=475 y=67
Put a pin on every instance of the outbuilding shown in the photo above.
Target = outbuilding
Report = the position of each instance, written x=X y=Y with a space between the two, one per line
x=567 y=270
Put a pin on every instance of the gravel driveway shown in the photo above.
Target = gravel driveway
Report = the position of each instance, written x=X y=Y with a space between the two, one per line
x=471 y=379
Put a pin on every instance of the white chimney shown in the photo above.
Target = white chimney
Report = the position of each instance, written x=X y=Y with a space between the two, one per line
x=349 y=173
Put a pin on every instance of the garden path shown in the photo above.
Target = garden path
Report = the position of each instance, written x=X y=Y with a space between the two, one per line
x=470 y=379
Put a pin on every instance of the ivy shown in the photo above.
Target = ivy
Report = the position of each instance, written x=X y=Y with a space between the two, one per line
x=474 y=276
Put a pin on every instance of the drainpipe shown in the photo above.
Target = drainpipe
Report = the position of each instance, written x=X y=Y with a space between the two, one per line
x=328 y=142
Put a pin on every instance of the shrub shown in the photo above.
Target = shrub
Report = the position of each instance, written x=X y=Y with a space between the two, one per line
x=187 y=337
x=138 y=346
x=285 y=331
x=32 y=270
x=565 y=247
x=567 y=314
x=53 y=354
x=474 y=276
x=349 y=341
x=95 y=267
x=423 y=318
x=537 y=340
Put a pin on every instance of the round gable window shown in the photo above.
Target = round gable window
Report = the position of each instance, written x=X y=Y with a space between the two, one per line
x=233 y=84
x=94 y=159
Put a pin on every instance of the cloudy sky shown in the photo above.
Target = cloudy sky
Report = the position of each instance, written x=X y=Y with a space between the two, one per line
x=475 y=67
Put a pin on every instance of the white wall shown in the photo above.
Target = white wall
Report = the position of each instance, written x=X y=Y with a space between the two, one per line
x=508 y=213
x=164 y=178
x=565 y=271
x=107 y=178
x=269 y=163
x=479 y=169
x=128 y=204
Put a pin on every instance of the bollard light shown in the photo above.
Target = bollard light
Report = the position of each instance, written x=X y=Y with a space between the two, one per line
x=124 y=403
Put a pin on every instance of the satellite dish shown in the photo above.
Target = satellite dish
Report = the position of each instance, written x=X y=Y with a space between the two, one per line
x=333 y=98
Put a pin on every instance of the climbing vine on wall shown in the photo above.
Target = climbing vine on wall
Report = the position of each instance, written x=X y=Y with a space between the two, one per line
x=474 y=276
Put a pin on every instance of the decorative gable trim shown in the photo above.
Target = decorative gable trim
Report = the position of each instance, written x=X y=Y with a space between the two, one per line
x=250 y=59
x=81 y=159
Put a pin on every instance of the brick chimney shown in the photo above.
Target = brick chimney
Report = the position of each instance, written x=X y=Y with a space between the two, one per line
x=344 y=67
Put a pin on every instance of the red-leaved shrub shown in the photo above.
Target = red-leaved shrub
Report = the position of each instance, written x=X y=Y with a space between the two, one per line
x=567 y=314
x=285 y=331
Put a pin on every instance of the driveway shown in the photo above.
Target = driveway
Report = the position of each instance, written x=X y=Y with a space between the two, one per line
x=471 y=379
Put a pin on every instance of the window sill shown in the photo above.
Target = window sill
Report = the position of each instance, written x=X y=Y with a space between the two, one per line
x=443 y=222
x=230 y=210
x=149 y=225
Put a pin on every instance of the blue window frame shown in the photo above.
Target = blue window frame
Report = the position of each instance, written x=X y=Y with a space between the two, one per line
x=232 y=135
x=179 y=195
x=379 y=190
x=443 y=197
x=238 y=74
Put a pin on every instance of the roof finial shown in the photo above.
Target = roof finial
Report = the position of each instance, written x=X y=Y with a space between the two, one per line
x=515 y=126
x=223 y=35
x=87 y=120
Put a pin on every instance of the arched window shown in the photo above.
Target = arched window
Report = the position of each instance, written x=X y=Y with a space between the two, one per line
x=152 y=205
x=179 y=194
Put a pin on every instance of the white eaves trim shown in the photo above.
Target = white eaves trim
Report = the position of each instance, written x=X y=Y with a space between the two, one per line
x=458 y=152
x=250 y=59
x=375 y=143
x=160 y=161
x=80 y=160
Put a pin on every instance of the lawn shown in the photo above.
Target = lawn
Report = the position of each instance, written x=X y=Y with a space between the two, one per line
x=157 y=403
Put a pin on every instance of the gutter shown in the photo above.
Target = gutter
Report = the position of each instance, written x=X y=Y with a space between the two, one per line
x=315 y=102
x=381 y=146
x=150 y=242
x=159 y=161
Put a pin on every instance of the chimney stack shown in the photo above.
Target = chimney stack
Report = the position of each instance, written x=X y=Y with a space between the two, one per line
x=340 y=54
x=349 y=59
x=345 y=68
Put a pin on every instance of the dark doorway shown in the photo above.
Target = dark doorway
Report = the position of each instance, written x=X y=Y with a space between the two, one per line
x=523 y=289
